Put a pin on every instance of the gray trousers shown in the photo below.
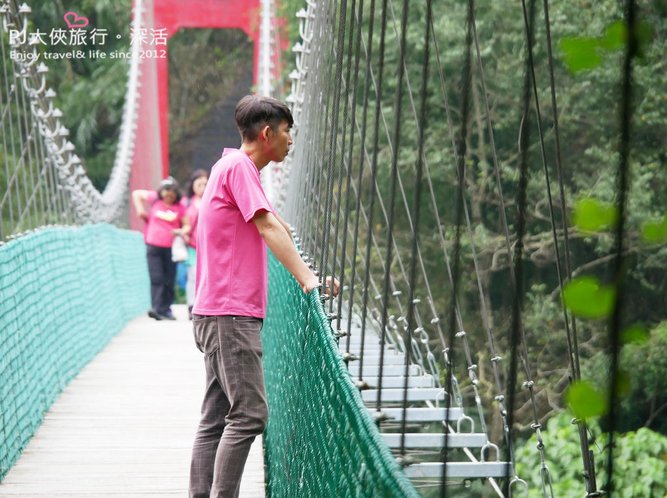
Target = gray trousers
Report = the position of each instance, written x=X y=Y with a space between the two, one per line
x=234 y=410
x=190 y=284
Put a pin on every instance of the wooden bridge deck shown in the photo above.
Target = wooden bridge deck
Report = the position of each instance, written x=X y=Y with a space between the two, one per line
x=124 y=427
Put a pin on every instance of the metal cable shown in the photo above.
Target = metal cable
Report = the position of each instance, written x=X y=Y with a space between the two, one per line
x=346 y=89
x=338 y=70
x=572 y=339
x=517 y=337
x=435 y=320
x=374 y=162
x=416 y=216
x=631 y=51
x=356 y=41
x=398 y=106
x=460 y=159
x=495 y=357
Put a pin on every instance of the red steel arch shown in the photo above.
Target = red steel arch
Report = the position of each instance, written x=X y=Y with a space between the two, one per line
x=151 y=154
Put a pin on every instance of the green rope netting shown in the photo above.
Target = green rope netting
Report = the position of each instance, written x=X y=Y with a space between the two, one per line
x=320 y=440
x=64 y=293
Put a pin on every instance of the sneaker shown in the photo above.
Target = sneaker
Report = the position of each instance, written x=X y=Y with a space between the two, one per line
x=154 y=314
x=167 y=315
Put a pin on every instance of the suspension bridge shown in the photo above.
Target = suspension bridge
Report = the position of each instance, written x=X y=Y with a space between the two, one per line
x=379 y=392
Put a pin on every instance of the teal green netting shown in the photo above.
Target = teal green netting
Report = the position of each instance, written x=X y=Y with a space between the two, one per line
x=320 y=440
x=64 y=292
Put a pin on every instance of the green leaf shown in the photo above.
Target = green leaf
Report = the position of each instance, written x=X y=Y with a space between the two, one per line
x=585 y=401
x=655 y=231
x=587 y=298
x=580 y=54
x=591 y=215
x=635 y=334
x=615 y=36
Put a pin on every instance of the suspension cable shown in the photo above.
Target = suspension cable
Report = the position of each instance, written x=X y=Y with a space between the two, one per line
x=631 y=51
x=355 y=41
x=335 y=113
x=398 y=106
x=374 y=162
x=572 y=340
x=517 y=338
x=460 y=166
x=416 y=213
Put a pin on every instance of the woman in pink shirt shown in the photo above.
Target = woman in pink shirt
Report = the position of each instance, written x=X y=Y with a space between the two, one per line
x=195 y=190
x=165 y=218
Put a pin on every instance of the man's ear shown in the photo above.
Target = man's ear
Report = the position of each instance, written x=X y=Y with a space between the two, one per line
x=265 y=132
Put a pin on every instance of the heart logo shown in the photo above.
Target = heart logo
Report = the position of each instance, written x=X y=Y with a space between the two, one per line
x=74 y=20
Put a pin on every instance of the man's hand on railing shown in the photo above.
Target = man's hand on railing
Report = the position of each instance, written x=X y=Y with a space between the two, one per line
x=331 y=287
x=311 y=283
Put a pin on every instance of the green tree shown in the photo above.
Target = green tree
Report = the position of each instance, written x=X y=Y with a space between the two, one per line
x=644 y=396
x=589 y=133
x=91 y=91
x=640 y=461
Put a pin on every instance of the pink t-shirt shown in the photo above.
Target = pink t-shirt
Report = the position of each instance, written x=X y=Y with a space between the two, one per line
x=162 y=220
x=231 y=254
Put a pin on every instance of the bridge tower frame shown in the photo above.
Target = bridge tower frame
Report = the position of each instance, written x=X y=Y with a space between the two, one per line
x=151 y=157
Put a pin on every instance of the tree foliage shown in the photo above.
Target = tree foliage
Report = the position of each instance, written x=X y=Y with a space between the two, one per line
x=208 y=68
x=644 y=363
x=588 y=117
x=640 y=461
x=91 y=91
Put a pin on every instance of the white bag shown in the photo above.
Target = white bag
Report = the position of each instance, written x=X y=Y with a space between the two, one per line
x=179 y=251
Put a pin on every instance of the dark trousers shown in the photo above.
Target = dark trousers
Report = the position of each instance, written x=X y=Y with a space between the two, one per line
x=234 y=410
x=162 y=272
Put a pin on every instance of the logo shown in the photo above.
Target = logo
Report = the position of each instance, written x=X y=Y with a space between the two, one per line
x=74 y=20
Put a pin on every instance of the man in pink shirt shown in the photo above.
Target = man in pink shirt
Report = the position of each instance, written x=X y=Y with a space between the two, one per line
x=236 y=222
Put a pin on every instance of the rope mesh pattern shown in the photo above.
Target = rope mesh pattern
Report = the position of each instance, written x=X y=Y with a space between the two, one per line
x=65 y=292
x=320 y=440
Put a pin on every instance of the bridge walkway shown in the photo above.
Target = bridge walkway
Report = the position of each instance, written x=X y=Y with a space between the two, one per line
x=124 y=426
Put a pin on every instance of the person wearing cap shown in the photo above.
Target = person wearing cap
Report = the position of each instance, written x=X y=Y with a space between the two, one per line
x=165 y=219
x=236 y=222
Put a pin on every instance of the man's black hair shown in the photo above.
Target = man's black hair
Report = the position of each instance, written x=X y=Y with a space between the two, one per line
x=254 y=112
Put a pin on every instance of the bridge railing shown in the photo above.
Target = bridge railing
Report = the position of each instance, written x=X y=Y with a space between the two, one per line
x=321 y=439
x=64 y=293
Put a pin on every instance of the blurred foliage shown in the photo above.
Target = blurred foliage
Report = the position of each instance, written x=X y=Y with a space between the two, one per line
x=640 y=461
x=644 y=359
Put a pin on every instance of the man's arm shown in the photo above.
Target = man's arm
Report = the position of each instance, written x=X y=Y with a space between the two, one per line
x=283 y=223
x=280 y=242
